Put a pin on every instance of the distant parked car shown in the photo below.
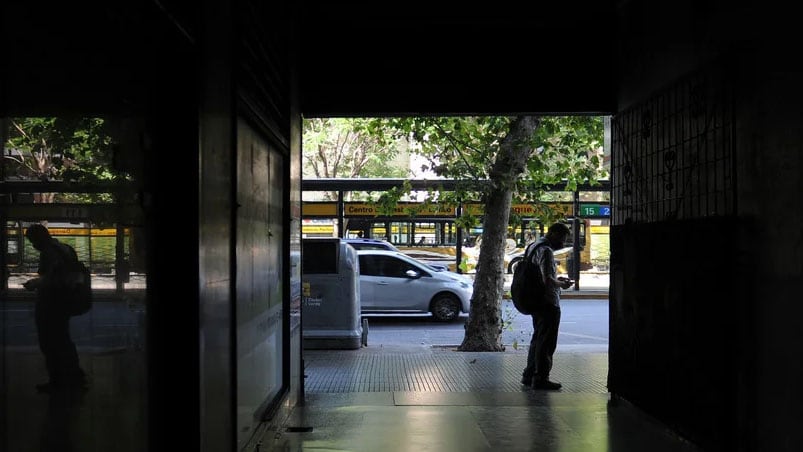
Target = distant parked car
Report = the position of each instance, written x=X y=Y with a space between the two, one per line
x=392 y=282
x=376 y=244
x=370 y=244
x=562 y=255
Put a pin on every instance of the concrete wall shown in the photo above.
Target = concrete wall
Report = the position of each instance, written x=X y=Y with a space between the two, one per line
x=703 y=339
x=770 y=153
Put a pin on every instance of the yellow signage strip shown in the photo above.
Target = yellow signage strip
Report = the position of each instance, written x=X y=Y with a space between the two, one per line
x=319 y=209
x=401 y=210
x=83 y=231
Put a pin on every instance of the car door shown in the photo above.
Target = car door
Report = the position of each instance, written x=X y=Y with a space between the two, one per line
x=369 y=272
x=388 y=286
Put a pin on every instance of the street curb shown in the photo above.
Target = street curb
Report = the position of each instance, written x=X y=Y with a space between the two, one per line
x=578 y=295
x=598 y=295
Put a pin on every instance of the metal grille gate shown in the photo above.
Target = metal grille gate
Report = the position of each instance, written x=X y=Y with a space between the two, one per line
x=675 y=154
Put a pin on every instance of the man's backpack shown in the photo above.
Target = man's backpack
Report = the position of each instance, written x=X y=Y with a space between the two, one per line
x=80 y=299
x=527 y=289
x=77 y=283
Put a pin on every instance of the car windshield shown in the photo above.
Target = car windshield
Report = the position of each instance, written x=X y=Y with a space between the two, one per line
x=370 y=244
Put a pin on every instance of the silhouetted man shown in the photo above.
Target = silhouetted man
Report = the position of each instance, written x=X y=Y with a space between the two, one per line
x=52 y=318
x=546 y=319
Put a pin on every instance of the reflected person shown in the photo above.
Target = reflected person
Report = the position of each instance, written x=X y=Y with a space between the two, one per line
x=52 y=318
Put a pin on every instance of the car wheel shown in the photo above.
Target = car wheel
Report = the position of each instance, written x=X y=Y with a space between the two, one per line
x=445 y=308
x=511 y=267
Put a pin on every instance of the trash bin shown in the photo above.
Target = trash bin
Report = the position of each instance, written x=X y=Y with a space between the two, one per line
x=331 y=311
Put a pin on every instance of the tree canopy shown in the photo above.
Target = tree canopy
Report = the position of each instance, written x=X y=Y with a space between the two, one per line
x=74 y=149
x=341 y=148
x=565 y=151
x=51 y=148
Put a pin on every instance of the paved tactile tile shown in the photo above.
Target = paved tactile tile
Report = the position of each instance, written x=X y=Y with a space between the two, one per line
x=443 y=370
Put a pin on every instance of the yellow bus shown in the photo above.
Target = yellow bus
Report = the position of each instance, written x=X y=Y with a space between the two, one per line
x=422 y=229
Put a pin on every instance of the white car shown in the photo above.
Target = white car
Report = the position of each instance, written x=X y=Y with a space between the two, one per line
x=392 y=282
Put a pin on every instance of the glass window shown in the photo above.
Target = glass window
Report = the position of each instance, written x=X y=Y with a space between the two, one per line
x=369 y=265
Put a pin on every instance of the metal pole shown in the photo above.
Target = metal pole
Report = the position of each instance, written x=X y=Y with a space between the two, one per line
x=458 y=255
x=340 y=213
x=576 y=241
x=5 y=198
x=3 y=254
x=120 y=266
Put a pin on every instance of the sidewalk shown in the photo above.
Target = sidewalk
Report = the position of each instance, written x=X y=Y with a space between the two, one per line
x=411 y=398
x=592 y=286
x=99 y=281
x=403 y=367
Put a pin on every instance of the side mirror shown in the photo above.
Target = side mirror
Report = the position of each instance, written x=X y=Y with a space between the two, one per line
x=412 y=274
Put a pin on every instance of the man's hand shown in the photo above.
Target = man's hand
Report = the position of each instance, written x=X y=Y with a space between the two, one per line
x=565 y=282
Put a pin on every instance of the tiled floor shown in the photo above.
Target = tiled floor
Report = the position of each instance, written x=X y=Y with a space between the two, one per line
x=442 y=369
x=389 y=398
x=438 y=399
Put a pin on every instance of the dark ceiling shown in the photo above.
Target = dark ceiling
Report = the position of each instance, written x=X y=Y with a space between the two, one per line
x=351 y=58
x=427 y=57
x=91 y=57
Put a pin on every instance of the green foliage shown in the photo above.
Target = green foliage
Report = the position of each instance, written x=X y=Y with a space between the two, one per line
x=456 y=147
x=464 y=265
x=348 y=147
x=386 y=202
x=568 y=152
x=59 y=148
x=569 y=149
x=507 y=319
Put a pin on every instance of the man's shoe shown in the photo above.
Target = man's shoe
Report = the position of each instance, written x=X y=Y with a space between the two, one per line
x=546 y=384
x=526 y=381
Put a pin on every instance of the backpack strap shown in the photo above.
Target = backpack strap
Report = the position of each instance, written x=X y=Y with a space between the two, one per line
x=529 y=254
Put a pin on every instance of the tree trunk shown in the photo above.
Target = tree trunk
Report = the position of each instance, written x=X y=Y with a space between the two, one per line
x=484 y=324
